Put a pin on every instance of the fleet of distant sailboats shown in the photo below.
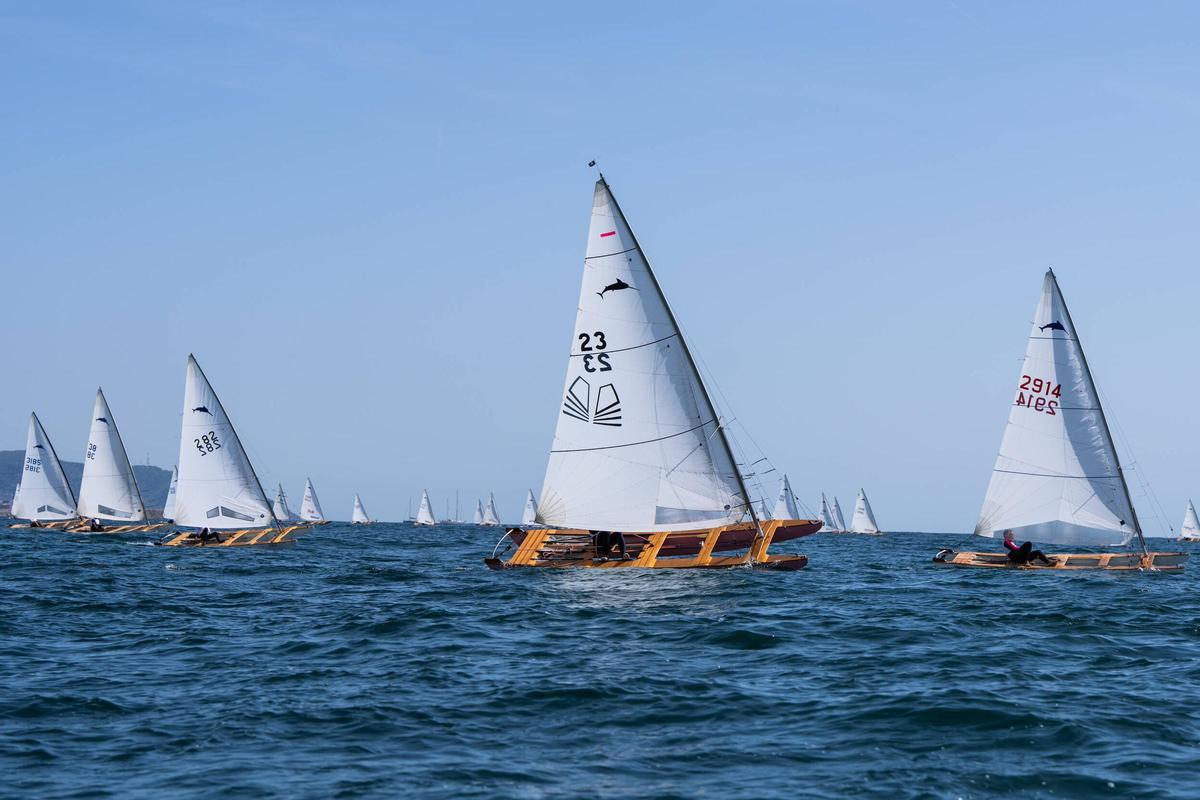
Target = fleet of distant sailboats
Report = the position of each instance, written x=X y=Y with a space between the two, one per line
x=640 y=458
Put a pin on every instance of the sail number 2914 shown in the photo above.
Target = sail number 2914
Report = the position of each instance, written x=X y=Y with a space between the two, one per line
x=1040 y=395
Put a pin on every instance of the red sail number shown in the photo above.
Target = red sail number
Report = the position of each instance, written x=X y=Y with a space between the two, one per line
x=1040 y=395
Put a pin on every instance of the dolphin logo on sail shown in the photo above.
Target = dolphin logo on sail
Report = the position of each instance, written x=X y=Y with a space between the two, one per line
x=615 y=286
x=39 y=447
x=102 y=419
x=202 y=408
x=1054 y=326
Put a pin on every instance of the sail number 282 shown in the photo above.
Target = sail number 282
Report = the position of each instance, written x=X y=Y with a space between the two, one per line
x=594 y=361
x=1040 y=395
x=208 y=443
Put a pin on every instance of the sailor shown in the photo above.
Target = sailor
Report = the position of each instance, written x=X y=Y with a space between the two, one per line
x=206 y=536
x=33 y=523
x=1023 y=554
x=94 y=525
x=604 y=542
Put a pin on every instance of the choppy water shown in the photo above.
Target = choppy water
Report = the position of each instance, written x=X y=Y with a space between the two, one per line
x=387 y=661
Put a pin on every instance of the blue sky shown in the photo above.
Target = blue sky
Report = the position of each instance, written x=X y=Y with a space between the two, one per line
x=368 y=219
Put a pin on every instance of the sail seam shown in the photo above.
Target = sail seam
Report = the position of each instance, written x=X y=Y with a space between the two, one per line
x=633 y=444
x=609 y=255
x=1057 y=475
x=625 y=349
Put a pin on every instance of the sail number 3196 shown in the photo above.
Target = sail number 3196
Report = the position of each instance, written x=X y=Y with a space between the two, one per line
x=1040 y=395
x=208 y=443
x=594 y=361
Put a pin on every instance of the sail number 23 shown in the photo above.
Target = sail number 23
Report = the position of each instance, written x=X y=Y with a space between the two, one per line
x=594 y=361
x=1039 y=395
x=207 y=443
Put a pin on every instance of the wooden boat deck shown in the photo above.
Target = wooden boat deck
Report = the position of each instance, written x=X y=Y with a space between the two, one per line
x=237 y=538
x=1162 y=562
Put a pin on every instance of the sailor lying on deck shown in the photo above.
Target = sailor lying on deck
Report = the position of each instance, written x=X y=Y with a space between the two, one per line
x=1023 y=554
x=604 y=541
x=205 y=536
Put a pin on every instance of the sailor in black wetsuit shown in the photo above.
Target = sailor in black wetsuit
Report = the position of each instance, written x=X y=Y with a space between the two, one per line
x=604 y=542
x=1023 y=554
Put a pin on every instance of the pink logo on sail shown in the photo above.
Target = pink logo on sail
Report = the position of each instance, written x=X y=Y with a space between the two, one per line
x=610 y=233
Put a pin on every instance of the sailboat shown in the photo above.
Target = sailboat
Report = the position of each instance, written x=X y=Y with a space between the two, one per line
x=310 y=506
x=863 y=520
x=490 y=515
x=828 y=523
x=763 y=511
x=108 y=490
x=218 y=489
x=169 y=505
x=425 y=512
x=478 y=518
x=838 y=519
x=1190 y=531
x=529 y=516
x=359 y=516
x=44 y=496
x=785 y=505
x=280 y=508
x=1057 y=478
x=639 y=448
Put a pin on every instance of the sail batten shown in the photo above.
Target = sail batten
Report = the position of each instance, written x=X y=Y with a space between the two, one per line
x=638 y=445
x=1057 y=477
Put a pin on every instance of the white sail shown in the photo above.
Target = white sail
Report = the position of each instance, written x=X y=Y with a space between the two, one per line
x=828 y=523
x=864 y=518
x=1191 y=526
x=785 y=505
x=108 y=489
x=638 y=446
x=490 y=515
x=280 y=508
x=529 y=517
x=310 y=506
x=1057 y=478
x=839 y=520
x=169 y=505
x=763 y=511
x=44 y=494
x=217 y=486
x=425 y=512
x=360 y=514
x=478 y=512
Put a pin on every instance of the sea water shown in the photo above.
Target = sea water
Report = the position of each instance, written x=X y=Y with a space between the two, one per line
x=387 y=661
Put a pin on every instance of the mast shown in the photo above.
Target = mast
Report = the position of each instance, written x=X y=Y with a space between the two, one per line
x=687 y=352
x=238 y=439
x=1137 y=526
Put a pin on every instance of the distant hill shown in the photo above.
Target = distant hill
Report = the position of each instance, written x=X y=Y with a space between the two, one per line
x=153 y=481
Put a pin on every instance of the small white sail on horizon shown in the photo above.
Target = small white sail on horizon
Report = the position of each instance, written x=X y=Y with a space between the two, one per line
x=1190 y=530
x=1057 y=477
x=864 y=518
x=529 y=517
x=44 y=494
x=786 y=506
x=310 y=506
x=478 y=512
x=280 y=508
x=359 y=515
x=108 y=489
x=828 y=523
x=217 y=486
x=169 y=505
x=490 y=515
x=425 y=512
x=839 y=520
x=638 y=445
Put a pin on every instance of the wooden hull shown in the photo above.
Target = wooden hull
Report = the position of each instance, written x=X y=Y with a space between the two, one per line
x=1128 y=562
x=241 y=538
x=552 y=547
x=56 y=525
x=139 y=528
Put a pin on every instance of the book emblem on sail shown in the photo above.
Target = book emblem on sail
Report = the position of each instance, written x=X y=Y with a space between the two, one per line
x=607 y=410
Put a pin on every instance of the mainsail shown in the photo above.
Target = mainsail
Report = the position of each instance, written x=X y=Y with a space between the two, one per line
x=1191 y=526
x=44 y=494
x=1057 y=478
x=490 y=515
x=828 y=523
x=478 y=512
x=529 y=517
x=217 y=487
x=169 y=505
x=310 y=506
x=425 y=512
x=864 y=518
x=280 y=509
x=108 y=489
x=639 y=445
x=360 y=513
x=785 y=505
x=839 y=520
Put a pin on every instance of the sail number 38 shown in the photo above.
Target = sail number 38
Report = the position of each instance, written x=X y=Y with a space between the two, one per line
x=594 y=361
x=1040 y=395
x=208 y=443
